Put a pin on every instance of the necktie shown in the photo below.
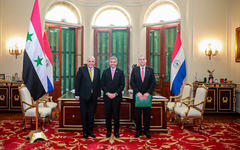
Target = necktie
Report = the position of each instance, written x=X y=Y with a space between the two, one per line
x=142 y=74
x=90 y=73
x=113 y=73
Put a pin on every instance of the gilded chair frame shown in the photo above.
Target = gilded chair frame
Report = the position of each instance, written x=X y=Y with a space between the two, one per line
x=178 y=99
x=31 y=118
x=188 y=105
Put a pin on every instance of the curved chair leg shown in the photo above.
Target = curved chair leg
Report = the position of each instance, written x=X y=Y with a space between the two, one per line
x=175 y=118
x=31 y=122
x=50 y=118
x=24 y=123
x=182 y=121
x=201 y=127
x=43 y=124
x=170 y=116
x=56 y=113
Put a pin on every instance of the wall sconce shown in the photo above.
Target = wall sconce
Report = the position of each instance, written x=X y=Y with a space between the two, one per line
x=210 y=51
x=16 y=46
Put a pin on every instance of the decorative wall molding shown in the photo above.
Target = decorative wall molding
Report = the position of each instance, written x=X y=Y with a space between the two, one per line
x=127 y=3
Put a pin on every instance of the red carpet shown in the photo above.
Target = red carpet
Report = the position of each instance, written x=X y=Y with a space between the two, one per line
x=215 y=136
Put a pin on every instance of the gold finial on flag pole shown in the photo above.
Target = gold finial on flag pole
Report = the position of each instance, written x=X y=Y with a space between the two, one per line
x=178 y=28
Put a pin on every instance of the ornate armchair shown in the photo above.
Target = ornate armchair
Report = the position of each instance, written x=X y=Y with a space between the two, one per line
x=195 y=110
x=176 y=101
x=29 y=108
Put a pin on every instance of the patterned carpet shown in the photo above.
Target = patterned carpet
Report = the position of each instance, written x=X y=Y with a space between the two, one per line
x=215 y=136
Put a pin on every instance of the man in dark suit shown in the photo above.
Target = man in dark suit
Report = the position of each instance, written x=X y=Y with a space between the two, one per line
x=112 y=84
x=143 y=83
x=88 y=90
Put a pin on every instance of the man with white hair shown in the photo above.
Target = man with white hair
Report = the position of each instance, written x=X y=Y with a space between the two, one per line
x=88 y=90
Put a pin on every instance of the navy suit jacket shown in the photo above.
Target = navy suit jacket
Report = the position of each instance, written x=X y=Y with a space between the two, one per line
x=147 y=85
x=115 y=85
x=84 y=85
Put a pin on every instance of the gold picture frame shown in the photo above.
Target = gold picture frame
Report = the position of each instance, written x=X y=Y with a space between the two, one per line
x=8 y=77
x=2 y=77
x=237 y=55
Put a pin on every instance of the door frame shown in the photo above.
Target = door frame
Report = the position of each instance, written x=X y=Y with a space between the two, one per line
x=110 y=46
x=162 y=86
x=57 y=92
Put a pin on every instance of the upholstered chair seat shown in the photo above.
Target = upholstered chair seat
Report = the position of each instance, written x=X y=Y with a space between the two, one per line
x=51 y=105
x=192 y=112
x=43 y=112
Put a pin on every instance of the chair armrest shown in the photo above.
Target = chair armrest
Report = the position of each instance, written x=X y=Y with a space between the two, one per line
x=195 y=106
x=47 y=98
x=43 y=100
x=185 y=98
x=187 y=101
x=174 y=97
x=28 y=104
x=50 y=98
x=198 y=103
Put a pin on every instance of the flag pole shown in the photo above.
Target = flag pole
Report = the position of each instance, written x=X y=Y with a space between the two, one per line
x=37 y=134
x=34 y=67
x=37 y=115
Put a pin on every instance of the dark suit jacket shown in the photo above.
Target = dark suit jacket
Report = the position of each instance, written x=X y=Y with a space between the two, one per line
x=84 y=85
x=136 y=82
x=115 y=85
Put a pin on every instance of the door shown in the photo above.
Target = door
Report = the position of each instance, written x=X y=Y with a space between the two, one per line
x=112 y=42
x=67 y=48
x=160 y=44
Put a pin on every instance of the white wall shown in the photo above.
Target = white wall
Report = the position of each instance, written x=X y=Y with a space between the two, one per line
x=200 y=19
x=209 y=21
x=234 y=22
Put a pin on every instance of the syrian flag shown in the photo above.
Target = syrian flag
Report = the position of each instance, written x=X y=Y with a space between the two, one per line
x=49 y=63
x=178 y=66
x=34 y=61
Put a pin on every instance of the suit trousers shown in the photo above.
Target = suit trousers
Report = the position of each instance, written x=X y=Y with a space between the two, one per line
x=112 y=107
x=146 y=118
x=88 y=108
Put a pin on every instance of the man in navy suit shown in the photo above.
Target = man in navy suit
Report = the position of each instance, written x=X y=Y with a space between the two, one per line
x=88 y=90
x=143 y=83
x=112 y=83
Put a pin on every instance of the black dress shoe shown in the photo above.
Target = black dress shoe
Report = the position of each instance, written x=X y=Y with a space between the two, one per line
x=138 y=134
x=117 y=135
x=92 y=135
x=108 y=134
x=147 y=135
x=85 y=135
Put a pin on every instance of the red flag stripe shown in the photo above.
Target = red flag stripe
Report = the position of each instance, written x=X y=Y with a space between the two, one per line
x=36 y=22
x=177 y=46
x=47 y=48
